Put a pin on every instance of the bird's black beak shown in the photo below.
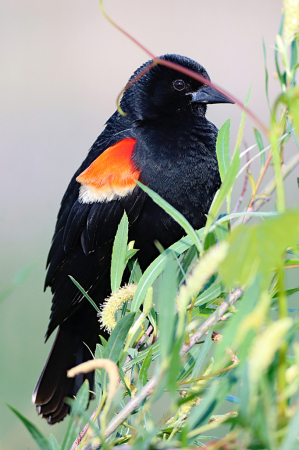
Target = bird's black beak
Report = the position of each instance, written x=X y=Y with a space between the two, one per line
x=206 y=94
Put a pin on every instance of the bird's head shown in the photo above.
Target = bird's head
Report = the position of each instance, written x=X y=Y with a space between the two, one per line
x=163 y=92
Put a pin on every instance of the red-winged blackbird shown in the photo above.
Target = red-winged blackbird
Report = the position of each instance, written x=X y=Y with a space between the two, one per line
x=164 y=141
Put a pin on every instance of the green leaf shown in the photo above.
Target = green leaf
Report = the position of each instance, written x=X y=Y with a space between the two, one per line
x=142 y=379
x=119 y=252
x=166 y=318
x=211 y=293
x=85 y=294
x=122 y=377
x=294 y=55
x=176 y=215
x=136 y=272
x=130 y=253
x=53 y=442
x=287 y=292
x=252 y=249
x=291 y=438
x=39 y=438
x=175 y=365
x=260 y=144
x=280 y=75
x=203 y=353
x=189 y=362
x=266 y=75
x=186 y=262
x=98 y=375
x=210 y=240
x=221 y=230
x=222 y=149
x=118 y=337
x=244 y=392
x=78 y=407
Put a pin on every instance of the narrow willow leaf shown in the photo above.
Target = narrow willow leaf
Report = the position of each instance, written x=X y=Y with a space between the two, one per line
x=266 y=75
x=118 y=261
x=244 y=392
x=252 y=182
x=260 y=144
x=175 y=365
x=280 y=75
x=186 y=262
x=53 y=442
x=78 y=406
x=202 y=355
x=211 y=293
x=118 y=337
x=189 y=362
x=294 y=55
x=274 y=135
x=136 y=272
x=85 y=294
x=167 y=313
x=287 y=293
x=130 y=253
x=291 y=439
x=142 y=379
x=176 y=215
x=38 y=437
x=222 y=149
x=123 y=380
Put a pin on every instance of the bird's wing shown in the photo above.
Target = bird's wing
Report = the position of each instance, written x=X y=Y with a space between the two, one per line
x=87 y=222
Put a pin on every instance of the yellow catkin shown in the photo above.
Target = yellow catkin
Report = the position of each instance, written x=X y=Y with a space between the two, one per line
x=291 y=20
x=113 y=303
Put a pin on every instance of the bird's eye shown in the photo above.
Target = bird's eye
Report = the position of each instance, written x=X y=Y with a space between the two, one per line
x=179 y=85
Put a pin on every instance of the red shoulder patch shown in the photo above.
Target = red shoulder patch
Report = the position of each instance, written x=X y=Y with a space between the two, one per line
x=111 y=175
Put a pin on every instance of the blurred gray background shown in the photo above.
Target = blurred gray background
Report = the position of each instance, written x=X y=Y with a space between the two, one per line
x=62 y=67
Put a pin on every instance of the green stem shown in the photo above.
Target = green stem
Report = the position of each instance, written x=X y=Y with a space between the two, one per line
x=274 y=136
x=282 y=365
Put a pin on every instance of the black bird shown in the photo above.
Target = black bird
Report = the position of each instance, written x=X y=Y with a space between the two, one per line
x=166 y=142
